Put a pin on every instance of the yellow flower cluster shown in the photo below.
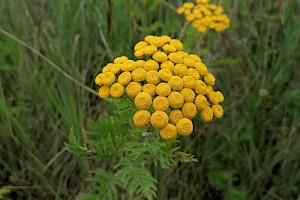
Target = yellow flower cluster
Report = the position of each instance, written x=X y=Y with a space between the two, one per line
x=204 y=15
x=169 y=86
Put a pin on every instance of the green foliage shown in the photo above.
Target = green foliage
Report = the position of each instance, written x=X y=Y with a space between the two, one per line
x=136 y=179
x=114 y=137
x=251 y=153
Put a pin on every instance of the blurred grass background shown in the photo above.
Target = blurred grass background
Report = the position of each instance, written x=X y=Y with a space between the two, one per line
x=251 y=153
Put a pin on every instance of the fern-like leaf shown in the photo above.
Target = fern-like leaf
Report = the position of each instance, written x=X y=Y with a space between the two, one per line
x=136 y=179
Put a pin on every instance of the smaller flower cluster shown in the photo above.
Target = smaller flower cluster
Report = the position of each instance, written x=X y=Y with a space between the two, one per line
x=169 y=86
x=204 y=15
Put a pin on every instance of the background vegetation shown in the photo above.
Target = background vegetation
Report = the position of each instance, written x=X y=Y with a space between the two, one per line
x=251 y=153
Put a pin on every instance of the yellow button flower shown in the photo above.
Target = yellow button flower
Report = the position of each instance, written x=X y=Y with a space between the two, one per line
x=133 y=89
x=188 y=94
x=165 y=74
x=160 y=103
x=159 y=119
x=139 y=53
x=195 y=58
x=117 y=90
x=153 y=77
x=209 y=79
x=166 y=38
x=220 y=96
x=180 y=10
x=99 y=79
x=217 y=110
x=141 y=118
x=175 y=116
x=201 y=102
x=188 y=5
x=190 y=17
x=163 y=89
x=169 y=132
x=177 y=44
x=115 y=68
x=107 y=68
x=183 y=54
x=189 y=62
x=187 y=11
x=150 y=89
x=143 y=101
x=128 y=65
x=151 y=65
x=120 y=59
x=104 y=92
x=202 y=29
x=180 y=70
x=175 y=100
x=200 y=87
x=176 y=83
x=149 y=38
x=149 y=50
x=167 y=48
x=108 y=78
x=140 y=45
x=214 y=97
x=139 y=63
x=201 y=68
x=209 y=89
x=189 y=110
x=124 y=78
x=184 y=127
x=160 y=56
x=193 y=73
x=157 y=41
x=167 y=65
x=175 y=58
x=138 y=75
x=207 y=114
x=188 y=82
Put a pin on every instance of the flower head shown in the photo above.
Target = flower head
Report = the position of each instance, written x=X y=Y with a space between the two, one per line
x=163 y=89
x=133 y=89
x=169 y=132
x=124 y=78
x=117 y=90
x=175 y=116
x=152 y=77
x=168 y=85
x=188 y=94
x=176 y=100
x=165 y=74
x=217 y=110
x=143 y=101
x=160 y=103
x=104 y=92
x=142 y=118
x=150 y=89
x=204 y=15
x=184 y=126
x=189 y=110
x=207 y=114
x=159 y=119
x=176 y=83
x=138 y=75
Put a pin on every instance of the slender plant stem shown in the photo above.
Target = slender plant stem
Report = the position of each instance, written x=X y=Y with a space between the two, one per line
x=52 y=64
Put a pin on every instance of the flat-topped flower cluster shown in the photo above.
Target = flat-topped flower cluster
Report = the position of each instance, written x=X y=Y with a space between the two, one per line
x=169 y=87
x=204 y=15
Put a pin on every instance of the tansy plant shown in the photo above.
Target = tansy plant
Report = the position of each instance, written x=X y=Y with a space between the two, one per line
x=152 y=101
x=168 y=86
x=204 y=15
